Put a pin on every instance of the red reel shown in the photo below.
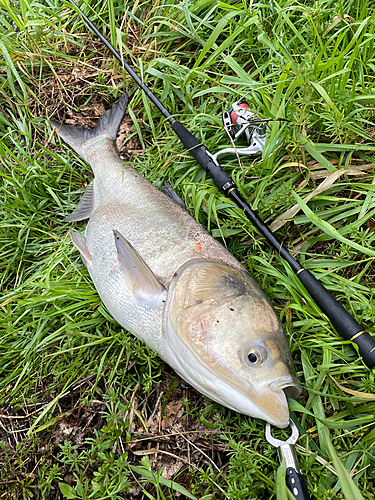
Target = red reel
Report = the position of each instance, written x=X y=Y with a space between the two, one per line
x=233 y=114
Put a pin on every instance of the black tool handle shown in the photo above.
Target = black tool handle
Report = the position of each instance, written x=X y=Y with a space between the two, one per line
x=296 y=483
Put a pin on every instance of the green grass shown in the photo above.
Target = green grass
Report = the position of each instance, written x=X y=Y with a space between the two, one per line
x=83 y=405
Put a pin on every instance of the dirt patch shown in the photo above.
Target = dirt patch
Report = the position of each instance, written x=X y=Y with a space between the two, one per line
x=157 y=426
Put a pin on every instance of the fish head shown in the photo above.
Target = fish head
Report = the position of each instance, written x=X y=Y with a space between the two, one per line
x=223 y=336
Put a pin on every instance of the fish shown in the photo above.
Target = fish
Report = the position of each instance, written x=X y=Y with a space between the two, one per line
x=165 y=279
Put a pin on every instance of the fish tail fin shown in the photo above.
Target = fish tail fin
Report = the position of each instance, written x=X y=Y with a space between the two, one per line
x=77 y=137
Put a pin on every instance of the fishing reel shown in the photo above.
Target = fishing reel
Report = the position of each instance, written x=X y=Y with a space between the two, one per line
x=241 y=123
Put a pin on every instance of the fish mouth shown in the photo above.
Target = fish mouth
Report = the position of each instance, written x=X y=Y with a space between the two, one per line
x=291 y=387
x=272 y=400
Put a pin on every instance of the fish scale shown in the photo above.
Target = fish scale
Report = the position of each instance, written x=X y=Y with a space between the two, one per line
x=164 y=278
x=177 y=236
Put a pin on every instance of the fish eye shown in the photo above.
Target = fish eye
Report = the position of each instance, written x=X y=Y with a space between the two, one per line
x=255 y=356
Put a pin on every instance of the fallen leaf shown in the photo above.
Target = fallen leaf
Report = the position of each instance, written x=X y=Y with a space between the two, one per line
x=323 y=186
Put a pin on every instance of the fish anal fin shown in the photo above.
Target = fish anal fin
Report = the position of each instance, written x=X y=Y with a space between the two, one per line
x=85 y=207
x=138 y=276
x=79 y=241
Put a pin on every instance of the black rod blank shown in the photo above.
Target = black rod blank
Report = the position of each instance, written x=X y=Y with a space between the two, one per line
x=341 y=319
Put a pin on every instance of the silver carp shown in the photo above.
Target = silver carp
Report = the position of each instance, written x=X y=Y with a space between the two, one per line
x=164 y=278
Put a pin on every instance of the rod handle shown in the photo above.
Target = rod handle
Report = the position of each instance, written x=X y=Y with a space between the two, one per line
x=221 y=179
x=342 y=321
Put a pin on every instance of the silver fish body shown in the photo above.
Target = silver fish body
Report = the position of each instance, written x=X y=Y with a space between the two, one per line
x=167 y=280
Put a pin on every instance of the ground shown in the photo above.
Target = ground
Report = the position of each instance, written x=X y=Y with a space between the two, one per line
x=86 y=410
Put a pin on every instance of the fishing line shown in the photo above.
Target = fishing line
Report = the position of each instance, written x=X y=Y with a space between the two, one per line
x=341 y=319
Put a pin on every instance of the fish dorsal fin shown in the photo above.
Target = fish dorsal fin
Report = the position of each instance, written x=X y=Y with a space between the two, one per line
x=79 y=241
x=107 y=126
x=138 y=276
x=85 y=207
x=169 y=191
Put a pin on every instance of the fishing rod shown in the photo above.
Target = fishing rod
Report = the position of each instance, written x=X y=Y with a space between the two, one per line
x=341 y=319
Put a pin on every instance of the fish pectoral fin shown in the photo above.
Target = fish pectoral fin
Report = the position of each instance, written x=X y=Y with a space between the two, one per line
x=79 y=241
x=85 y=207
x=212 y=283
x=138 y=276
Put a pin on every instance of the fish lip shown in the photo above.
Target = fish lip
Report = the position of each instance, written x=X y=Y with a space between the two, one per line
x=271 y=399
x=289 y=385
x=272 y=403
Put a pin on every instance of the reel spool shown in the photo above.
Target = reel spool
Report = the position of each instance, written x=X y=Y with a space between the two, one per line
x=240 y=122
